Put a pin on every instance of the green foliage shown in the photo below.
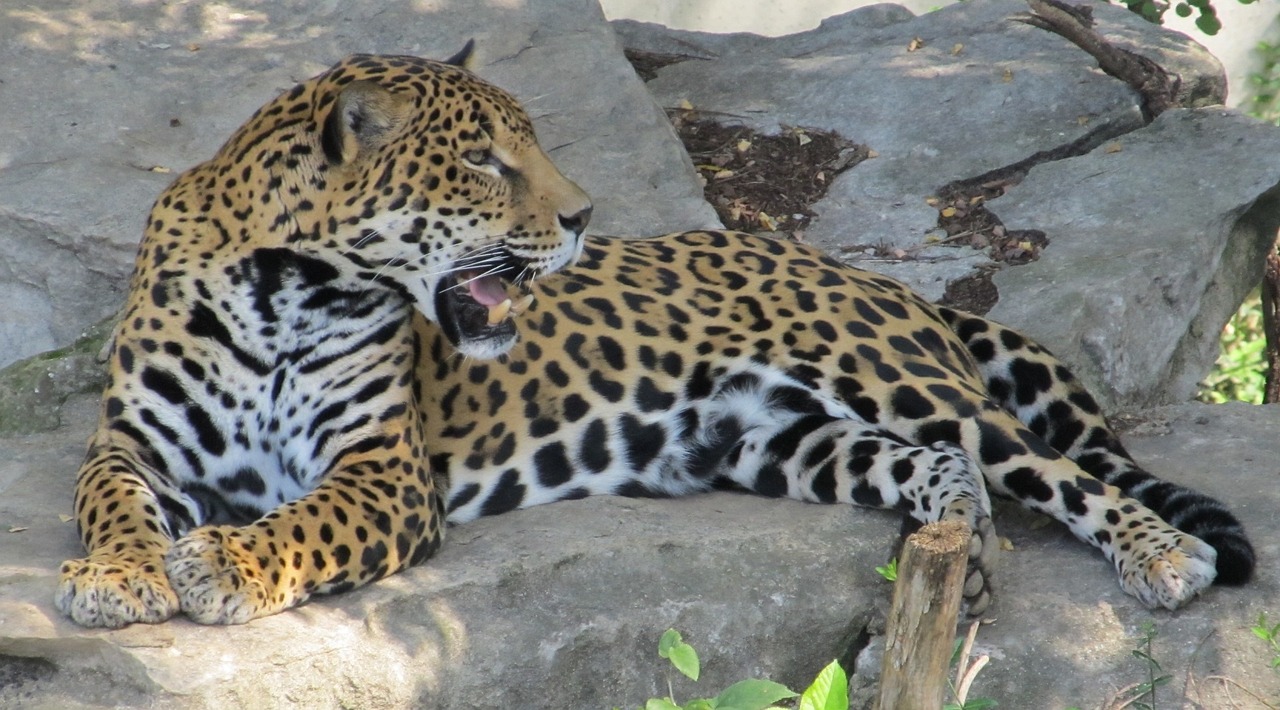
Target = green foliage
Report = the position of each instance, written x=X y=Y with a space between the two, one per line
x=889 y=571
x=1269 y=634
x=1156 y=677
x=1240 y=372
x=1264 y=85
x=673 y=648
x=1153 y=10
x=829 y=690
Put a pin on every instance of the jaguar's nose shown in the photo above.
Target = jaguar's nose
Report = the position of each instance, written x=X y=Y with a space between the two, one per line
x=577 y=221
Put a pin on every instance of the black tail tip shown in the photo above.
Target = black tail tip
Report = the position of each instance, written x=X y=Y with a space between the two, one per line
x=1235 y=558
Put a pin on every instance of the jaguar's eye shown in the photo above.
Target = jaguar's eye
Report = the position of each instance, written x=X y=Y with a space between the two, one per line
x=484 y=160
x=477 y=156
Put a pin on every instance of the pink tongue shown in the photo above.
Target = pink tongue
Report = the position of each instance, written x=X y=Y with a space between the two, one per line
x=487 y=291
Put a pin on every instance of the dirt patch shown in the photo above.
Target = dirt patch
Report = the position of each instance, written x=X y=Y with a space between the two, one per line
x=963 y=214
x=974 y=294
x=762 y=183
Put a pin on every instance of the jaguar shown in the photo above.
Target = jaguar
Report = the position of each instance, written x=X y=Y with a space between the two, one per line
x=375 y=310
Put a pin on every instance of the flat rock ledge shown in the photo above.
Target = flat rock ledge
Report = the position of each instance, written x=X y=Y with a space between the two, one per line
x=561 y=606
x=1156 y=231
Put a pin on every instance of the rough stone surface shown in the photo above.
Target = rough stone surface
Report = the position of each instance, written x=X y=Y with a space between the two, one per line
x=1136 y=282
x=103 y=102
x=561 y=606
x=1187 y=217
x=935 y=115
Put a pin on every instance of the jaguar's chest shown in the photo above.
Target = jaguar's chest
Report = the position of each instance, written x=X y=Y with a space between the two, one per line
x=279 y=356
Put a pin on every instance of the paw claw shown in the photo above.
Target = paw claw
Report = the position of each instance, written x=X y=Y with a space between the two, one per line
x=111 y=592
x=215 y=581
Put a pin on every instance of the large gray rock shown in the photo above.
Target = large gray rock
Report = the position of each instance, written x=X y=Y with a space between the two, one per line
x=103 y=102
x=561 y=606
x=1139 y=277
x=1180 y=212
x=980 y=93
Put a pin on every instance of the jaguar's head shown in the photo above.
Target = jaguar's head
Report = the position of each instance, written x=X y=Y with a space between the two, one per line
x=436 y=187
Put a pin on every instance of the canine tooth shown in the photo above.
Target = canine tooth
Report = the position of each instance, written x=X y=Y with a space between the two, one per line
x=522 y=305
x=499 y=312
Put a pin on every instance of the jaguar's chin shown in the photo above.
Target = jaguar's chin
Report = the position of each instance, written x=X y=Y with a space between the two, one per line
x=476 y=311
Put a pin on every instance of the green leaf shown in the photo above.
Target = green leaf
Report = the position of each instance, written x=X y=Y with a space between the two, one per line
x=673 y=648
x=661 y=704
x=751 y=694
x=670 y=638
x=889 y=571
x=1208 y=24
x=1182 y=9
x=829 y=691
x=979 y=704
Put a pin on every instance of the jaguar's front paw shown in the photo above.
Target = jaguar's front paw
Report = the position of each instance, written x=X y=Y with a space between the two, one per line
x=114 y=589
x=217 y=578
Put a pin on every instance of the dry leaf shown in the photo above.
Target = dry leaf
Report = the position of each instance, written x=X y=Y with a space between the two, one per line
x=948 y=212
x=1006 y=544
x=957 y=49
x=723 y=174
x=766 y=221
x=1025 y=246
x=1008 y=76
x=914 y=44
x=159 y=169
x=976 y=200
x=1082 y=120
x=1113 y=148
x=931 y=201
x=872 y=154
x=744 y=146
x=684 y=105
x=803 y=138
x=65 y=518
x=16 y=529
x=193 y=47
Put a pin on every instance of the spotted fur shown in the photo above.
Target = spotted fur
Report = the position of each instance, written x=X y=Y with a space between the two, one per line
x=319 y=363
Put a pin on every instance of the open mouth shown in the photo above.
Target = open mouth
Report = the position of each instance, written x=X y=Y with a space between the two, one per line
x=475 y=307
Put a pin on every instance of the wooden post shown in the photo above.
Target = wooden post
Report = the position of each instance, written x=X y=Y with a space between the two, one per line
x=921 y=628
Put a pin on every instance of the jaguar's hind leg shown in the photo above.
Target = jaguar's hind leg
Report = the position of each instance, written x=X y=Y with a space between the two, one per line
x=821 y=458
x=1037 y=388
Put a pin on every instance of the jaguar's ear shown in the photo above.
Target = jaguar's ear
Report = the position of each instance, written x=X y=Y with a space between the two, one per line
x=465 y=57
x=362 y=117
